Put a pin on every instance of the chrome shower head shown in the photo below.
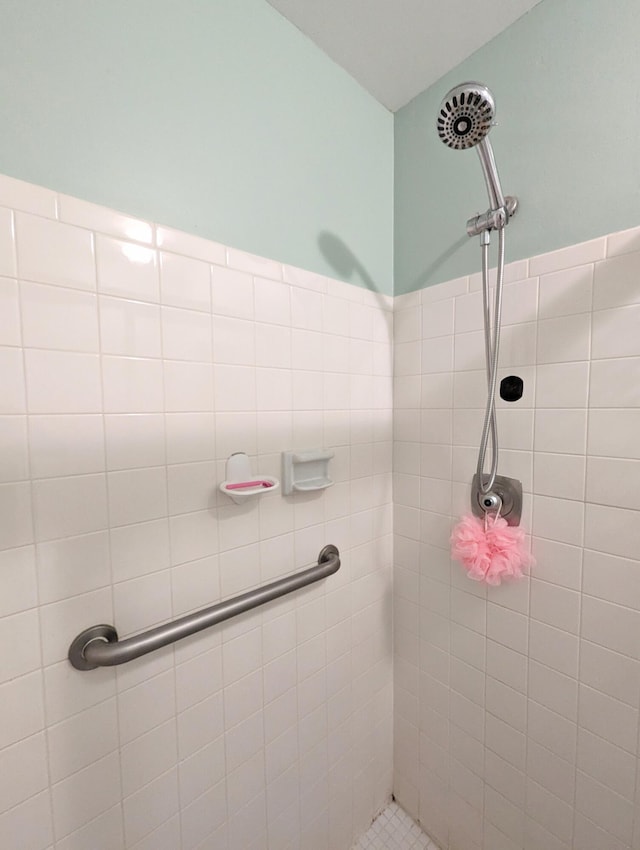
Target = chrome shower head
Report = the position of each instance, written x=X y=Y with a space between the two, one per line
x=465 y=118
x=466 y=115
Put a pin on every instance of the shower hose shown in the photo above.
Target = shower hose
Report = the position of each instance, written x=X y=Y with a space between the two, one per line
x=492 y=349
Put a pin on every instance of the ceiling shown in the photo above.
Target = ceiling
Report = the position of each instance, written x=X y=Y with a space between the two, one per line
x=397 y=48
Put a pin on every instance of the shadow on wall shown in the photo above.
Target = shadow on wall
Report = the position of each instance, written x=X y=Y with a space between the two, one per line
x=425 y=279
x=344 y=261
x=348 y=266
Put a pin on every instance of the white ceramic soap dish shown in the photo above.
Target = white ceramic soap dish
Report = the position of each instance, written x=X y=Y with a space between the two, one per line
x=241 y=485
x=306 y=470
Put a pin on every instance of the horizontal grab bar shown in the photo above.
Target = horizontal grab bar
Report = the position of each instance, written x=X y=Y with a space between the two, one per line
x=99 y=646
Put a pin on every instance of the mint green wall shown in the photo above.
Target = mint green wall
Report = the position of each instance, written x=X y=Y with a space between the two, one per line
x=218 y=117
x=566 y=79
x=214 y=116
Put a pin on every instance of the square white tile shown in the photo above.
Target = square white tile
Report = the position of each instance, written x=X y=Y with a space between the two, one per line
x=127 y=270
x=393 y=829
x=51 y=252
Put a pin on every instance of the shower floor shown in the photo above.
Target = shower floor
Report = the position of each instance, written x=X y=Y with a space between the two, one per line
x=393 y=829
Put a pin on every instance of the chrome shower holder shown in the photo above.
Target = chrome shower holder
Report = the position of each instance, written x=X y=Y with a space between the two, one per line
x=493 y=219
x=505 y=496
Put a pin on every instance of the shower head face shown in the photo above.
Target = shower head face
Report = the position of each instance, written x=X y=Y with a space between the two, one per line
x=466 y=115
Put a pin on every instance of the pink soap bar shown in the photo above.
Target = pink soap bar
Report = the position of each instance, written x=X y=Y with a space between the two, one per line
x=242 y=485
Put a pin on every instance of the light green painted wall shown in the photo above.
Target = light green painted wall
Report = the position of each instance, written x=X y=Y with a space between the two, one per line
x=566 y=78
x=218 y=117
x=214 y=116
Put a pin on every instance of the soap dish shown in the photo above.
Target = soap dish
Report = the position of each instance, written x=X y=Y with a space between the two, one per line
x=305 y=471
x=241 y=485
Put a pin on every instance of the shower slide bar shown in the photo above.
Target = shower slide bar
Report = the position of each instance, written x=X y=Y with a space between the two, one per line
x=99 y=646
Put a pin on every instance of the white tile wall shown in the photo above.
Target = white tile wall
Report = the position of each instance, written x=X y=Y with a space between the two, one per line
x=135 y=359
x=517 y=708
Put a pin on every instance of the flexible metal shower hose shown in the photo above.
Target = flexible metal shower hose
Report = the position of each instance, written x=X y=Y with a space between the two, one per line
x=492 y=350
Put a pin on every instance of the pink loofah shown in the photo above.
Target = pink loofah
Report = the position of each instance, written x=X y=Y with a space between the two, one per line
x=490 y=550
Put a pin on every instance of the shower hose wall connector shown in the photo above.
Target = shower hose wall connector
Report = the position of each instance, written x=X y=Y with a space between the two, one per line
x=504 y=498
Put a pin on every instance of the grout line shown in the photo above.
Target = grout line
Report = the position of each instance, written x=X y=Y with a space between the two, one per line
x=46 y=725
x=116 y=695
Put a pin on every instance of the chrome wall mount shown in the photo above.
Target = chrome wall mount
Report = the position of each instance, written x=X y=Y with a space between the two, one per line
x=493 y=219
x=98 y=646
x=505 y=496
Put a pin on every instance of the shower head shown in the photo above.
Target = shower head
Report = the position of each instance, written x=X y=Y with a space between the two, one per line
x=465 y=118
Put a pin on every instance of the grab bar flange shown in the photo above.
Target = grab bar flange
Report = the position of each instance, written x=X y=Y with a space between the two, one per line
x=105 y=633
x=327 y=553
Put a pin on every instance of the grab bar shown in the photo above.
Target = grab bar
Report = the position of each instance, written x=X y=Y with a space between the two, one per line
x=99 y=646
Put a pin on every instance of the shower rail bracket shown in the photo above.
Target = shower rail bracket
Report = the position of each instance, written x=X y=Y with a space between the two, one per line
x=493 y=219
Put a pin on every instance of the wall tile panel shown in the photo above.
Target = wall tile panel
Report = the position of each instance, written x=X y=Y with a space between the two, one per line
x=150 y=356
x=551 y=694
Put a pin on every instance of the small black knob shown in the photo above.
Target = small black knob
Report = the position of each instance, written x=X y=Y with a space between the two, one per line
x=511 y=388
